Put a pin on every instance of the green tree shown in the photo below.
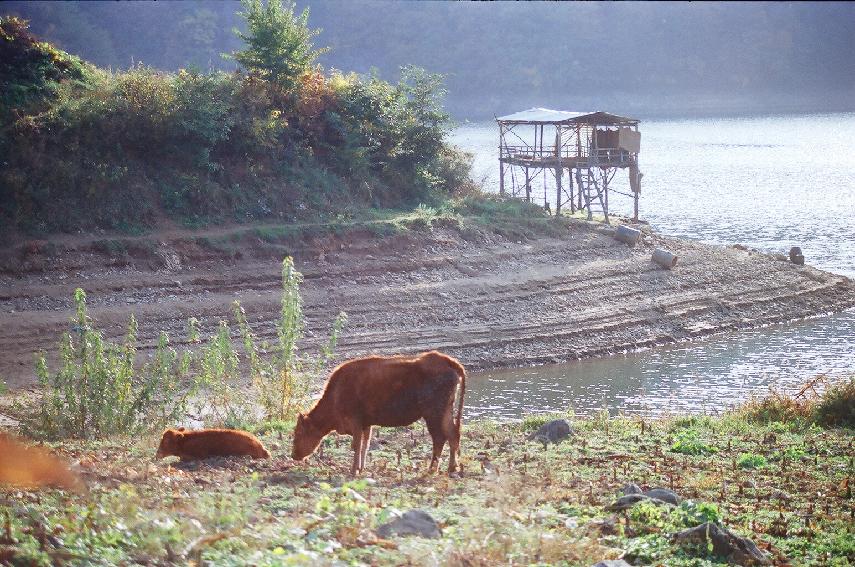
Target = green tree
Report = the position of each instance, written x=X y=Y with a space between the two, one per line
x=279 y=43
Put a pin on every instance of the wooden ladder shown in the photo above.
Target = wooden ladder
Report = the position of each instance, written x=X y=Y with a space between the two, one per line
x=591 y=192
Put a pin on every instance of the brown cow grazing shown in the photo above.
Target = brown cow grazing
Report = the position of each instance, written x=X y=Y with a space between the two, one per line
x=192 y=445
x=29 y=467
x=391 y=392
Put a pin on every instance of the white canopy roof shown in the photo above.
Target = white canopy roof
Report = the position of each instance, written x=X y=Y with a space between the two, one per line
x=541 y=115
x=547 y=115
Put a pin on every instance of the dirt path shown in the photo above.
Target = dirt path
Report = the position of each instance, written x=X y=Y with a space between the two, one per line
x=487 y=299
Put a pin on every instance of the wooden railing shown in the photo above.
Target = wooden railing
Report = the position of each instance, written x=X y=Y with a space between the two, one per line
x=601 y=155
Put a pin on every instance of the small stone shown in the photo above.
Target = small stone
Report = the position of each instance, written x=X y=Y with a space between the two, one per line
x=412 y=522
x=553 y=432
x=736 y=550
x=612 y=563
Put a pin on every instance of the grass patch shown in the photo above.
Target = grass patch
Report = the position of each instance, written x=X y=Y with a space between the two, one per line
x=513 y=505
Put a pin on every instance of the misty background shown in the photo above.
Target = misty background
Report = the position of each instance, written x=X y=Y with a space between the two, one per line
x=641 y=58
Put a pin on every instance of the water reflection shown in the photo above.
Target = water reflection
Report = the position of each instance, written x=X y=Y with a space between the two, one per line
x=708 y=376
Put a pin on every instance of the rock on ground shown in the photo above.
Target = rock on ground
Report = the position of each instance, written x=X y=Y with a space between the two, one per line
x=412 y=522
x=664 y=495
x=555 y=431
x=737 y=550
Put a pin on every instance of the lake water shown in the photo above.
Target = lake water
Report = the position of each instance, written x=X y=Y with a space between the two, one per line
x=767 y=182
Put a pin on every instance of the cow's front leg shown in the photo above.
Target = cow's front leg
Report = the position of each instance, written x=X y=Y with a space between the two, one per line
x=357 y=450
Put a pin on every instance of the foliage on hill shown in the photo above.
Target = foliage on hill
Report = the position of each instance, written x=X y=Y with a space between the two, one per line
x=31 y=71
x=121 y=150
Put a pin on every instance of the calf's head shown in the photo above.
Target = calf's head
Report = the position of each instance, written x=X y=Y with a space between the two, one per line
x=169 y=443
x=307 y=437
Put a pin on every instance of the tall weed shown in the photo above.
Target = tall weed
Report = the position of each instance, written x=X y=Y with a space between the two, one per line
x=283 y=380
x=97 y=391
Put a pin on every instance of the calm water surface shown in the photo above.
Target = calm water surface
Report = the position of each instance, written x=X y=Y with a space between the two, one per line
x=767 y=182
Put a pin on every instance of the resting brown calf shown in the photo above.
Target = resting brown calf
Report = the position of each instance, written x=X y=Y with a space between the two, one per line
x=29 y=467
x=387 y=391
x=191 y=445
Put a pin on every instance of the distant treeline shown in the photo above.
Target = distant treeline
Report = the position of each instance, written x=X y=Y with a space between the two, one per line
x=83 y=147
x=500 y=57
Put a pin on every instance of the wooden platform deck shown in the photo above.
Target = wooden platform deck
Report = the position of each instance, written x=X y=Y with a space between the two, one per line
x=565 y=162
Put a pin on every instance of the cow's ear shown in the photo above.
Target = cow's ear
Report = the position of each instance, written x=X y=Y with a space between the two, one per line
x=181 y=429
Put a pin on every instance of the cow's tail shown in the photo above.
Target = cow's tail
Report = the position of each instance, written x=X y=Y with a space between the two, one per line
x=459 y=420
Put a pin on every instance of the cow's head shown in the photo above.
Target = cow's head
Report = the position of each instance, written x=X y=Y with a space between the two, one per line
x=170 y=443
x=307 y=437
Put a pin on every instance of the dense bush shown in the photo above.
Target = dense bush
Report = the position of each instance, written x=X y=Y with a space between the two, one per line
x=137 y=145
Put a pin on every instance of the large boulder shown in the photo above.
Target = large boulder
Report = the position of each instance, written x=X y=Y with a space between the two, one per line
x=412 y=522
x=735 y=549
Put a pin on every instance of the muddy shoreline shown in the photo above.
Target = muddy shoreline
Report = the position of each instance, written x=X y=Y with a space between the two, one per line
x=491 y=299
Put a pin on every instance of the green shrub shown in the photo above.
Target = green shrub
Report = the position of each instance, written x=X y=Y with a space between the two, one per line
x=97 y=391
x=751 y=461
x=688 y=442
x=690 y=514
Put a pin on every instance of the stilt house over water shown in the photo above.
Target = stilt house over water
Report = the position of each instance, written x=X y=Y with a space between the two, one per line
x=539 y=145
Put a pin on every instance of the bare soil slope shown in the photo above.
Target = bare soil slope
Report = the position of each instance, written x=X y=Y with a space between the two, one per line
x=488 y=299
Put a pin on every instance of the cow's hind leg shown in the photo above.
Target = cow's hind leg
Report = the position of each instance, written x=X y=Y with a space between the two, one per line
x=366 y=442
x=357 y=450
x=453 y=436
x=437 y=434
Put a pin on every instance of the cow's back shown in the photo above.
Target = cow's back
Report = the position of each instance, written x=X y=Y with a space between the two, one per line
x=392 y=391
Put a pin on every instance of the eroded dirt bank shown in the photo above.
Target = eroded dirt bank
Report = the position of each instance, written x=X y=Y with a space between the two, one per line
x=490 y=300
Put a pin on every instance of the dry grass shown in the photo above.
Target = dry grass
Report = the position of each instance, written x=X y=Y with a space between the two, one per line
x=821 y=400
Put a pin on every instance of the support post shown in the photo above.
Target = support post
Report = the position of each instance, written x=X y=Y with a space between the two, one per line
x=559 y=170
x=605 y=173
x=527 y=186
x=572 y=195
x=501 y=165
